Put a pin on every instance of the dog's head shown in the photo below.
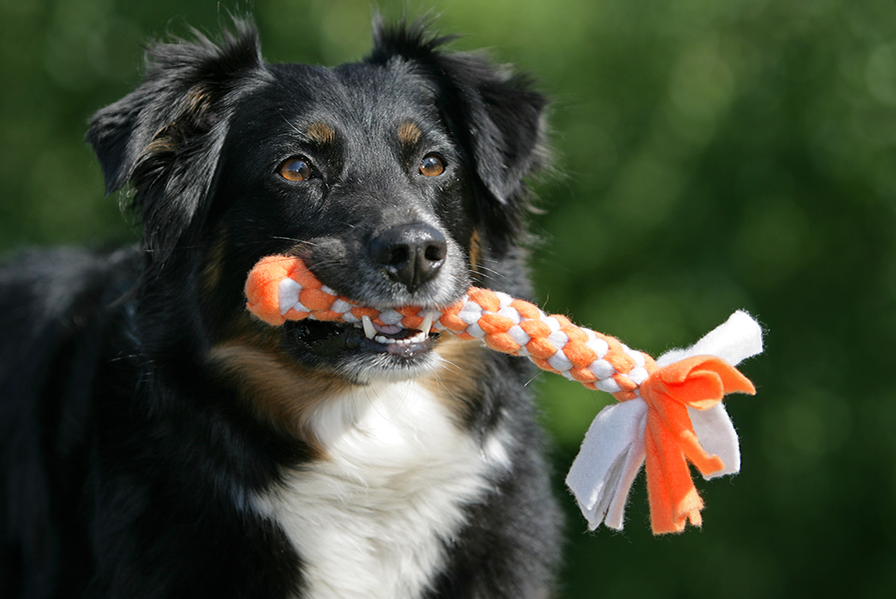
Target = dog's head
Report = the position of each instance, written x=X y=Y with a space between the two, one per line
x=393 y=178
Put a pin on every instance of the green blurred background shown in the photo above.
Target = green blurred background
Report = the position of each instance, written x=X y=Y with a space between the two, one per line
x=715 y=155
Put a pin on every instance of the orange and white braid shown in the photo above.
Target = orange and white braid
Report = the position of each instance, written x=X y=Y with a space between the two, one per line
x=281 y=288
x=505 y=324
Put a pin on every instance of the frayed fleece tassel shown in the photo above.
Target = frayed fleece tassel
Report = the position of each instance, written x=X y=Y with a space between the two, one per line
x=670 y=411
x=614 y=448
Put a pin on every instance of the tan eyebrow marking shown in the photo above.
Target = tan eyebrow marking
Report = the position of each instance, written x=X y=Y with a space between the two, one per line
x=409 y=133
x=320 y=133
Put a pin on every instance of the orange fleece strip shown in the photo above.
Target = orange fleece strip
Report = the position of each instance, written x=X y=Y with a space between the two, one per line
x=699 y=382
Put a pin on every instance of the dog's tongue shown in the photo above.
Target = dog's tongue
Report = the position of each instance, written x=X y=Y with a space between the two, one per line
x=389 y=329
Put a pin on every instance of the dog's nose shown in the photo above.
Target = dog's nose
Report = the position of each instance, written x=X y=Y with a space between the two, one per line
x=410 y=254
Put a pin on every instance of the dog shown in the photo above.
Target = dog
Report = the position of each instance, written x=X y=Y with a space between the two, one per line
x=159 y=441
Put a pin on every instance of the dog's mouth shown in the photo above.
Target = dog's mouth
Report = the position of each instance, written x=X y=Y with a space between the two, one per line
x=372 y=342
x=399 y=345
x=397 y=340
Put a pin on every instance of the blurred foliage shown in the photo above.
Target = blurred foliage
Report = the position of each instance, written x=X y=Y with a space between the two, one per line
x=715 y=156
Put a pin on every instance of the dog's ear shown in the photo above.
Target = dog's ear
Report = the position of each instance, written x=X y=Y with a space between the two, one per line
x=496 y=117
x=164 y=138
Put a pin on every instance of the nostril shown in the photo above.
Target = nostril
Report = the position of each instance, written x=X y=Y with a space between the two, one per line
x=435 y=252
x=398 y=255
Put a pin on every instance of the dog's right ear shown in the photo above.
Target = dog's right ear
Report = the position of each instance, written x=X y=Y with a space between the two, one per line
x=164 y=137
x=180 y=98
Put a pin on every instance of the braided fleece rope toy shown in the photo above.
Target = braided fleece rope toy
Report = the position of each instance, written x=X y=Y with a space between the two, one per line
x=670 y=409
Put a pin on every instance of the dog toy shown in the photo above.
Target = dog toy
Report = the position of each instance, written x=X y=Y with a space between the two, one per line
x=669 y=411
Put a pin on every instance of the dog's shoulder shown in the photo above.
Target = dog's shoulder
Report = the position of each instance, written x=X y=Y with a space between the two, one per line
x=50 y=297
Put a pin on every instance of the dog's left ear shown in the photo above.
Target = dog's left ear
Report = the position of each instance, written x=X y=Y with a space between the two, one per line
x=496 y=116
x=165 y=137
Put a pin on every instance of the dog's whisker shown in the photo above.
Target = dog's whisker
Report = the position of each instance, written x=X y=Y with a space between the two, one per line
x=455 y=368
x=289 y=123
x=490 y=274
x=295 y=240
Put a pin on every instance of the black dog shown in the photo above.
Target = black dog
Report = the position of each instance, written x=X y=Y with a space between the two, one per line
x=158 y=441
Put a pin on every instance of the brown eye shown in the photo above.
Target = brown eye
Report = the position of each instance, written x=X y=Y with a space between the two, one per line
x=296 y=169
x=432 y=166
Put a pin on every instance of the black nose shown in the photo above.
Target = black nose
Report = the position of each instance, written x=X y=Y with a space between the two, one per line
x=410 y=254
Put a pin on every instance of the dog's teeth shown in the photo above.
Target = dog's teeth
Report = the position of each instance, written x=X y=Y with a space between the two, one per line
x=427 y=324
x=369 y=330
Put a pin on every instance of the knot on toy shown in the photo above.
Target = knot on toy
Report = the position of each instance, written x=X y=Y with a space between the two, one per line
x=699 y=382
x=661 y=398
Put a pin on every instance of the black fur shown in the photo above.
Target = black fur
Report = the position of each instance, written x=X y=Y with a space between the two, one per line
x=128 y=457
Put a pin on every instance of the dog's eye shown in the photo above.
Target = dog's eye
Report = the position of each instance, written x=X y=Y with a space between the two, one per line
x=432 y=166
x=296 y=169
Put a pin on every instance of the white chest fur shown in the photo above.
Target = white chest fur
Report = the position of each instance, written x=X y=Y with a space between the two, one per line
x=369 y=521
